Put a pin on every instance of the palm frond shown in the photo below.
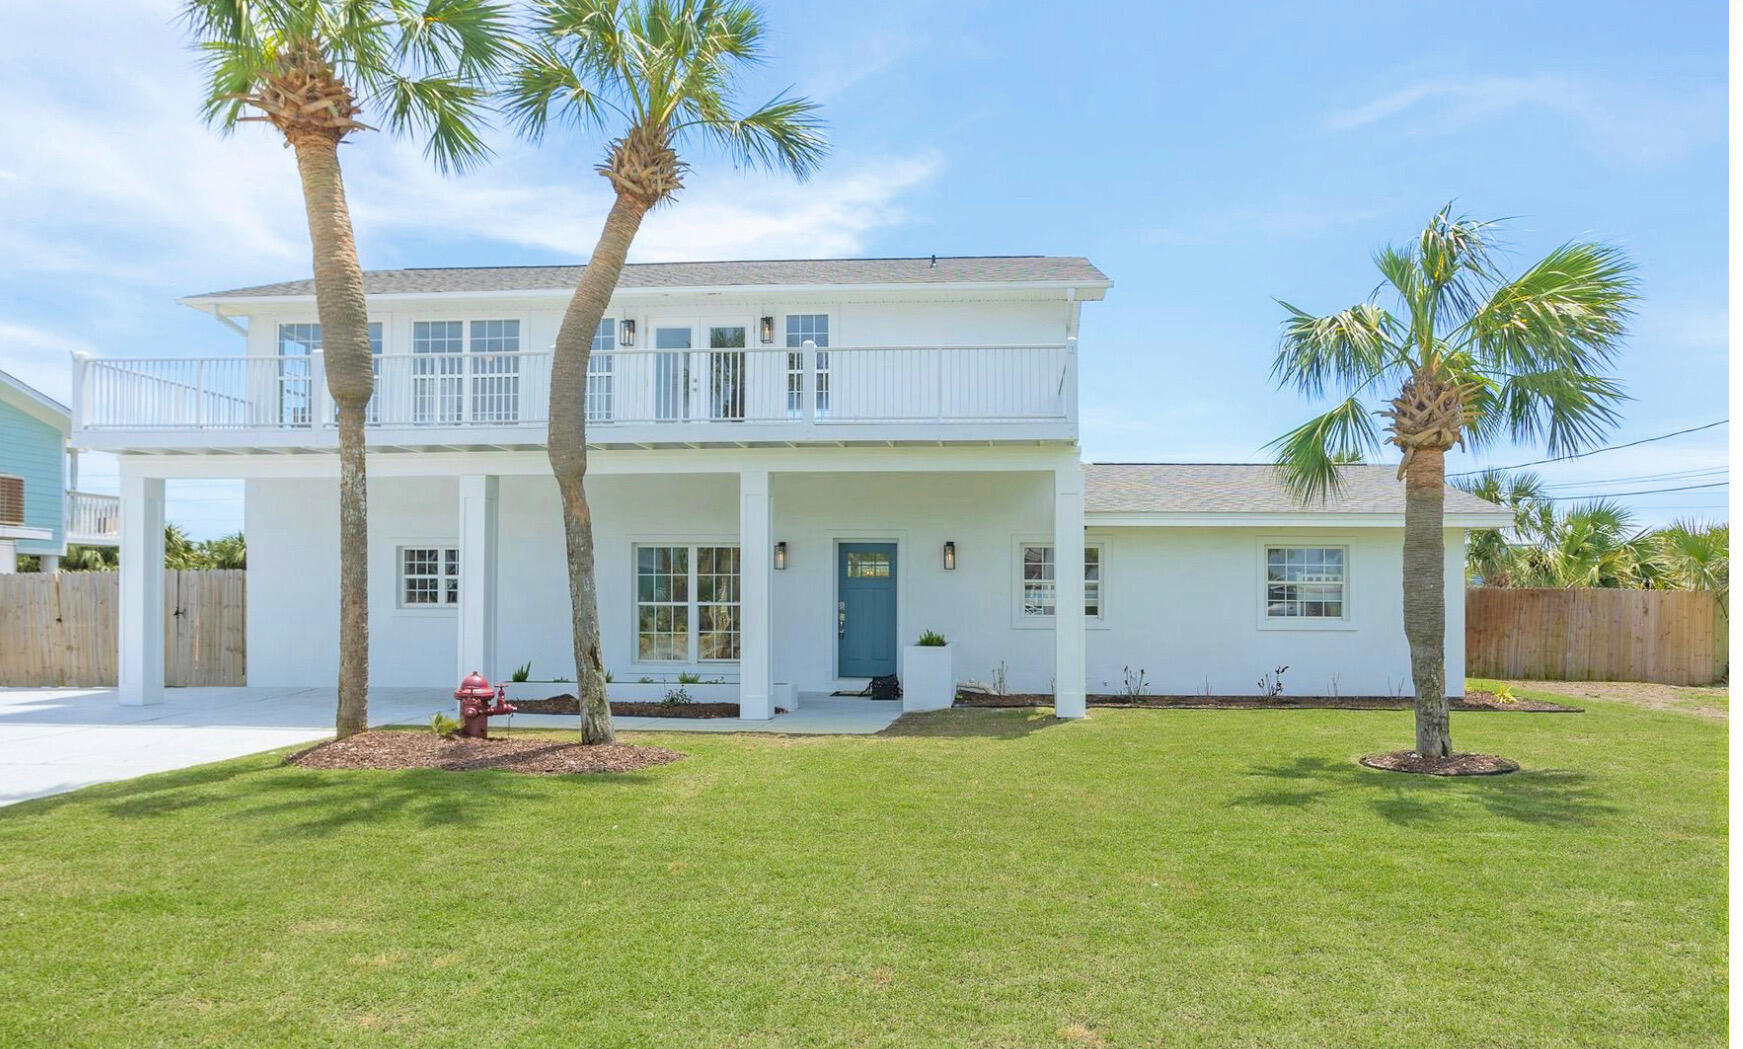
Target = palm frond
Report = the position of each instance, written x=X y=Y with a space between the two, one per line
x=1570 y=311
x=785 y=134
x=1309 y=457
x=1351 y=348
x=447 y=113
x=1569 y=410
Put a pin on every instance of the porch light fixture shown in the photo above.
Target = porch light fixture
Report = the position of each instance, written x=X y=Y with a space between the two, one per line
x=626 y=333
x=768 y=330
x=780 y=557
x=950 y=556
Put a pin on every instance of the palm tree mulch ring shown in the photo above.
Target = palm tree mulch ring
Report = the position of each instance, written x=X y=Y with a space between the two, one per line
x=1453 y=765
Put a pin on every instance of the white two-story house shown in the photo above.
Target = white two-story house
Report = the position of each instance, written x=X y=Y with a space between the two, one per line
x=796 y=468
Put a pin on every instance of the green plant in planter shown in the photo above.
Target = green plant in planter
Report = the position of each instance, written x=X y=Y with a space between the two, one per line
x=931 y=639
x=689 y=679
x=675 y=697
x=524 y=672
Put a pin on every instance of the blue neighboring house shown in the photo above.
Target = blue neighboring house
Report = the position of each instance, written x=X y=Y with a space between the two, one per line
x=33 y=467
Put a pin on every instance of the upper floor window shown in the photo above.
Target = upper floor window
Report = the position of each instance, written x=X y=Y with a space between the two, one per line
x=296 y=378
x=1040 y=586
x=452 y=385
x=1306 y=582
x=601 y=377
x=803 y=327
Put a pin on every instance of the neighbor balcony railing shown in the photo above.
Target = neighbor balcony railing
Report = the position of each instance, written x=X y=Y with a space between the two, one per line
x=807 y=385
x=93 y=519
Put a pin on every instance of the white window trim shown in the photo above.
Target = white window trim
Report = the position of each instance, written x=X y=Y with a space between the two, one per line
x=441 y=608
x=693 y=644
x=832 y=315
x=1348 y=621
x=1021 y=621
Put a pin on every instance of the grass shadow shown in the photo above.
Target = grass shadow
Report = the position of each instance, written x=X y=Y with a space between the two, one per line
x=1534 y=796
x=974 y=723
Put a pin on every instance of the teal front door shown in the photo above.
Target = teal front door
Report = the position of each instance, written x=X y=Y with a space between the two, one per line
x=865 y=611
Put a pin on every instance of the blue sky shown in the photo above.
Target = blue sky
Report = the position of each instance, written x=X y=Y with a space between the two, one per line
x=1210 y=158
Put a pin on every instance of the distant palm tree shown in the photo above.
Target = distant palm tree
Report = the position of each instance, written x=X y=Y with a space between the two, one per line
x=660 y=74
x=1693 y=556
x=312 y=69
x=1593 y=544
x=1475 y=357
x=1491 y=554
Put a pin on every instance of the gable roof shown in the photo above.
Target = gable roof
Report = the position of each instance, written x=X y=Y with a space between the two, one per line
x=27 y=398
x=936 y=270
x=1204 y=489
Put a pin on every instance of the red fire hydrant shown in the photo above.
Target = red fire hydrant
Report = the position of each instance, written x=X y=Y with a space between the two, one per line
x=476 y=709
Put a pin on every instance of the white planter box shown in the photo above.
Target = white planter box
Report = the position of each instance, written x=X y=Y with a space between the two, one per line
x=928 y=677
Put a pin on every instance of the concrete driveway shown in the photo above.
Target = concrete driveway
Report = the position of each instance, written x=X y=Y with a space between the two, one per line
x=59 y=739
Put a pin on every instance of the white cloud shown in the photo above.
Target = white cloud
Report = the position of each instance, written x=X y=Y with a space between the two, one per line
x=38 y=357
x=1646 y=125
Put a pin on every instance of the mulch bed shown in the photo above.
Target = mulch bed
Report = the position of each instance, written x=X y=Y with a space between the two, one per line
x=426 y=750
x=568 y=704
x=1456 y=765
x=1472 y=701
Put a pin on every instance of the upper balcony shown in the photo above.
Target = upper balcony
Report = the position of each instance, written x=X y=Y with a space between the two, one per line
x=731 y=396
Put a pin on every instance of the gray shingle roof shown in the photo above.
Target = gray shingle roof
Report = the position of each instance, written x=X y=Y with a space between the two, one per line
x=1236 y=488
x=1007 y=269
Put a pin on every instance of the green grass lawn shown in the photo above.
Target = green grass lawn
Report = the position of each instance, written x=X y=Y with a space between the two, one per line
x=974 y=878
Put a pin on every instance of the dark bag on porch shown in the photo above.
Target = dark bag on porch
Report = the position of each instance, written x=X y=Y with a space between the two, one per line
x=885 y=686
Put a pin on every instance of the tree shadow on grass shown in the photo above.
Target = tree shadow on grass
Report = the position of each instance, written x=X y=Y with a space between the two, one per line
x=1536 y=796
x=974 y=723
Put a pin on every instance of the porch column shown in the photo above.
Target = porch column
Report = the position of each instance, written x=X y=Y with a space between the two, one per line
x=1068 y=657
x=141 y=633
x=755 y=557
x=51 y=564
x=478 y=517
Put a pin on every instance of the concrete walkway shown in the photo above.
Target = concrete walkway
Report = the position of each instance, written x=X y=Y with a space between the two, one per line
x=59 y=739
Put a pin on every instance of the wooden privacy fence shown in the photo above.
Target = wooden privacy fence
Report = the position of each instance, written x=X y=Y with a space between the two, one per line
x=61 y=629
x=1675 y=637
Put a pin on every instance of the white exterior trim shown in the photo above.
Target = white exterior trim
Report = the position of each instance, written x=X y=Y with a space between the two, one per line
x=1349 y=621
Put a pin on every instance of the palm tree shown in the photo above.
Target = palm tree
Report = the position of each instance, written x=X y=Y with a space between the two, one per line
x=1492 y=554
x=313 y=69
x=1593 y=544
x=662 y=74
x=1475 y=357
x=1689 y=555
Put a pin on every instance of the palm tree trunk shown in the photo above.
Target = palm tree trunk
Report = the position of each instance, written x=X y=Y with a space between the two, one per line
x=567 y=448
x=1425 y=597
x=344 y=314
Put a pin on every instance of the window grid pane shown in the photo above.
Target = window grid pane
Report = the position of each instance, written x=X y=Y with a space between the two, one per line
x=295 y=375
x=1040 y=588
x=800 y=327
x=1304 y=582
x=439 y=376
x=717 y=611
x=600 y=380
x=663 y=603
x=429 y=575
x=495 y=371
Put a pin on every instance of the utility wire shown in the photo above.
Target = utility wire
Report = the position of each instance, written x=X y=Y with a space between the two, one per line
x=1677 y=475
x=1594 y=451
x=1648 y=491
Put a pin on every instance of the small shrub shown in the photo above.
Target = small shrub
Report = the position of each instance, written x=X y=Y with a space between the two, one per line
x=608 y=675
x=1271 y=685
x=1000 y=685
x=689 y=679
x=524 y=672
x=675 y=697
x=1134 y=685
x=443 y=725
x=1504 y=694
x=931 y=639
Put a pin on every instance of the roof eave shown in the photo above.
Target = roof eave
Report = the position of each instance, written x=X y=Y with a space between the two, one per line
x=1092 y=290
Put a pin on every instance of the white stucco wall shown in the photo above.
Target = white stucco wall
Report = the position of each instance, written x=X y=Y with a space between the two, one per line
x=1182 y=603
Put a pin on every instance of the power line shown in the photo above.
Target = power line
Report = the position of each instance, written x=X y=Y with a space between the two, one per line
x=1648 y=491
x=1594 y=451
x=1675 y=475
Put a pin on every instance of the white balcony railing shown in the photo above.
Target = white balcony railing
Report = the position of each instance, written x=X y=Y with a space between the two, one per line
x=808 y=386
x=93 y=519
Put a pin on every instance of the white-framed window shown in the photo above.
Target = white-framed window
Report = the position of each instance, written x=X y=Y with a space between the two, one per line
x=686 y=603
x=1306 y=583
x=800 y=328
x=438 y=371
x=429 y=576
x=601 y=378
x=296 y=393
x=1038 y=584
x=495 y=348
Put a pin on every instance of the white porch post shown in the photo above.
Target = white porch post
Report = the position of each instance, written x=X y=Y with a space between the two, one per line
x=478 y=517
x=141 y=633
x=51 y=564
x=1068 y=657
x=755 y=558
